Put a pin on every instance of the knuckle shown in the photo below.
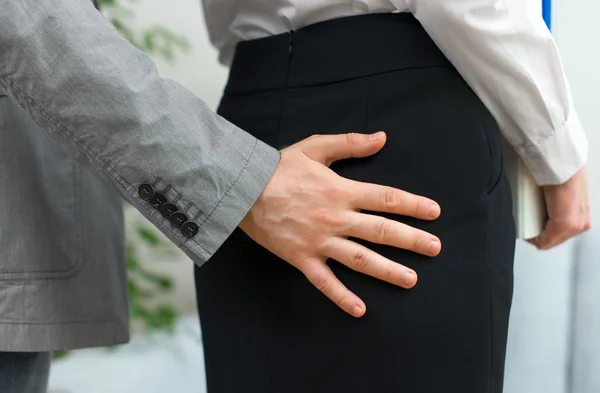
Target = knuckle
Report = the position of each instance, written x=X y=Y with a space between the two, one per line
x=322 y=243
x=360 y=260
x=383 y=230
x=352 y=138
x=296 y=256
x=323 y=284
x=325 y=217
x=335 y=192
x=418 y=206
x=418 y=237
x=313 y=137
x=392 y=273
x=340 y=301
x=390 y=199
x=304 y=257
x=573 y=225
x=584 y=224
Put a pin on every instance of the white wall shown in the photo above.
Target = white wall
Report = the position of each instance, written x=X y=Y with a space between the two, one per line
x=198 y=70
x=577 y=38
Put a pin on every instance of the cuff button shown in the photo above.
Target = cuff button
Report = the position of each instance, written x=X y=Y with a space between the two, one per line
x=177 y=219
x=190 y=229
x=168 y=209
x=146 y=192
x=158 y=200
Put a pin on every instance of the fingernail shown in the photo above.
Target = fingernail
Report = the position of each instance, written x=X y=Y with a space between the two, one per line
x=375 y=136
x=357 y=311
x=434 y=247
x=434 y=210
x=410 y=278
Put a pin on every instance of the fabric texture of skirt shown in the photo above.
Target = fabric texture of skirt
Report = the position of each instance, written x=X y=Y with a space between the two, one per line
x=266 y=329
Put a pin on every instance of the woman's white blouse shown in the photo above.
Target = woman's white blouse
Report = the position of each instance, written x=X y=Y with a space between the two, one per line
x=502 y=48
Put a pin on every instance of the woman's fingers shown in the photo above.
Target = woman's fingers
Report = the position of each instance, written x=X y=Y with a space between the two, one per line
x=391 y=200
x=568 y=207
x=361 y=259
x=556 y=233
x=321 y=276
x=380 y=230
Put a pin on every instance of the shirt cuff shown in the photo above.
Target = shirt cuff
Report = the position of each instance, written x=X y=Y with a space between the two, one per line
x=557 y=158
x=238 y=200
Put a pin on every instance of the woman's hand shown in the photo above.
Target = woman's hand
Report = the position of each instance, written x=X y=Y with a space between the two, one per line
x=307 y=212
x=568 y=207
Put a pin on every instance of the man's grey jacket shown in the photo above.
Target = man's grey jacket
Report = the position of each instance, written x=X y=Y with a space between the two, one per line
x=69 y=82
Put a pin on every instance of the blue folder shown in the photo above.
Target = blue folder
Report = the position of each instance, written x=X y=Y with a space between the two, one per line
x=547 y=12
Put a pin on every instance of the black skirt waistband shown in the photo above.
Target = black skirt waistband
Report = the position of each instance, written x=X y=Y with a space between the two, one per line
x=332 y=51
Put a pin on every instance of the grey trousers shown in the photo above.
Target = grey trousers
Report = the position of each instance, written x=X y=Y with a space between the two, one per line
x=24 y=372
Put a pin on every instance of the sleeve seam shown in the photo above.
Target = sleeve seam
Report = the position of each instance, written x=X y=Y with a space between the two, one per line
x=529 y=145
x=232 y=185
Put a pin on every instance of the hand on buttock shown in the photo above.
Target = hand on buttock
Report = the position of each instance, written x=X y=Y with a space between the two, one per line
x=307 y=212
x=568 y=207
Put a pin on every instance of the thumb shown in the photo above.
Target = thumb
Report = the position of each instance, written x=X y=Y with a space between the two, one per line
x=329 y=148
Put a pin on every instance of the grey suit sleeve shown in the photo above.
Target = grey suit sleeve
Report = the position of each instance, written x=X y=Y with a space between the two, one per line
x=102 y=98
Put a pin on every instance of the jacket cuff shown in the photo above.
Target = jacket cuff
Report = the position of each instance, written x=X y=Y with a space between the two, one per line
x=235 y=204
x=557 y=158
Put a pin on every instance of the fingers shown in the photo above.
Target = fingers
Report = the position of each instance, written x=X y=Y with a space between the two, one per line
x=321 y=276
x=381 y=230
x=568 y=207
x=557 y=232
x=361 y=259
x=391 y=200
x=329 y=148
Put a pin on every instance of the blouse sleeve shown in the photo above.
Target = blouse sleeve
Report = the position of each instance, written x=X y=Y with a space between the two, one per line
x=504 y=51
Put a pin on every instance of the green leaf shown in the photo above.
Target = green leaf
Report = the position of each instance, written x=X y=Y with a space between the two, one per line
x=161 y=281
x=162 y=318
x=59 y=354
x=148 y=236
x=165 y=283
x=131 y=258
x=148 y=40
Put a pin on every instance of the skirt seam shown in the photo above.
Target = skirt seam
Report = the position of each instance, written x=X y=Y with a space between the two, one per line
x=285 y=90
x=367 y=100
x=288 y=87
x=490 y=302
x=271 y=379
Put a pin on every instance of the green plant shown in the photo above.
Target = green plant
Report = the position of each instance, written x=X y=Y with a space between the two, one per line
x=155 y=40
x=146 y=287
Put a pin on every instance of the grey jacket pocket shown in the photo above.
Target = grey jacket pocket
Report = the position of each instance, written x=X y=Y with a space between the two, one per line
x=39 y=213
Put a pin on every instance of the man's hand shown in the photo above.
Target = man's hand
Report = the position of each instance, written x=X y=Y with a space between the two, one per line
x=568 y=207
x=307 y=212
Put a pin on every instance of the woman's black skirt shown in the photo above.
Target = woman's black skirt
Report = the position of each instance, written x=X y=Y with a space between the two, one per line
x=266 y=329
